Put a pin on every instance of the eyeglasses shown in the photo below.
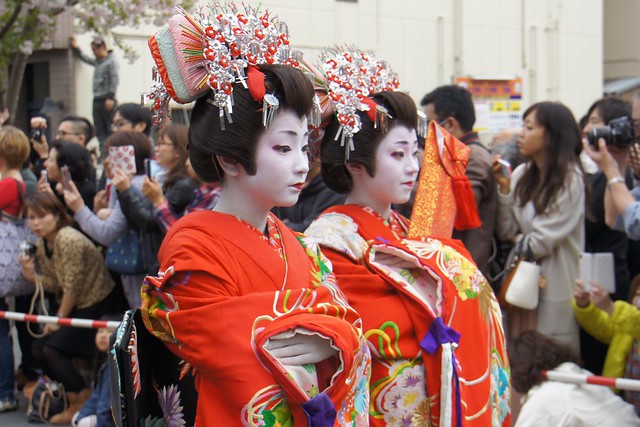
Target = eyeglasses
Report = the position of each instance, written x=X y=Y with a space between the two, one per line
x=63 y=133
x=120 y=124
x=439 y=121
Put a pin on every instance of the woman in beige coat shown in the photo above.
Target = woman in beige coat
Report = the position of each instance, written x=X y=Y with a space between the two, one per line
x=542 y=205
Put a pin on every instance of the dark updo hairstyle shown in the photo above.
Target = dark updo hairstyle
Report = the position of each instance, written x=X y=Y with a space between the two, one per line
x=239 y=139
x=531 y=353
x=401 y=108
x=141 y=146
x=76 y=157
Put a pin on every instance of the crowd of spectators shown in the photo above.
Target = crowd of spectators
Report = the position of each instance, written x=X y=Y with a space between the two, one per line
x=81 y=208
x=86 y=215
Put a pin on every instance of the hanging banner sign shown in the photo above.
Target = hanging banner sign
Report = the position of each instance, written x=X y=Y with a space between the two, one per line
x=497 y=101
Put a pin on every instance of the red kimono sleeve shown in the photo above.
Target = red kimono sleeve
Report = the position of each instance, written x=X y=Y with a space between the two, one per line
x=218 y=315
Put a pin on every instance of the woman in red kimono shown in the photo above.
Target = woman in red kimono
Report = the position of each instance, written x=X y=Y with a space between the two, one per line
x=430 y=318
x=250 y=305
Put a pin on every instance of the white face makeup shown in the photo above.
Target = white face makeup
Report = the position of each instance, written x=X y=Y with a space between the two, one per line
x=395 y=174
x=281 y=163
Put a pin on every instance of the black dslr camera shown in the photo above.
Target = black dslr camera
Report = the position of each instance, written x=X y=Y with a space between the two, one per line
x=619 y=132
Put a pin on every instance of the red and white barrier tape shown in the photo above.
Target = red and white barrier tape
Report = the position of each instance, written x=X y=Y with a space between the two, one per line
x=62 y=321
x=565 y=377
x=619 y=383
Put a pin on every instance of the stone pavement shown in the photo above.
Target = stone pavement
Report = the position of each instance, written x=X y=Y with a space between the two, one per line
x=17 y=418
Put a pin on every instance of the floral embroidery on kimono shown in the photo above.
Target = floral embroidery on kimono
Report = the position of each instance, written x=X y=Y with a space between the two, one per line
x=430 y=318
x=224 y=289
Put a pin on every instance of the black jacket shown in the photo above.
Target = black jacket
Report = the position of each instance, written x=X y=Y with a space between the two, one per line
x=314 y=199
x=141 y=216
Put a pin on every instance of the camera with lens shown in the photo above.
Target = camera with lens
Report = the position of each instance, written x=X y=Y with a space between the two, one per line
x=619 y=132
x=27 y=249
x=36 y=134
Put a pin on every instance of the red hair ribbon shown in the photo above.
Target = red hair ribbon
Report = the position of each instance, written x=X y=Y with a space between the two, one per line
x=255 y=81
x=372 y=108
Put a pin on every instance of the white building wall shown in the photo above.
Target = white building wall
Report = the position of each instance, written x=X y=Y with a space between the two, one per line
x=554 y=45
x=621 y=47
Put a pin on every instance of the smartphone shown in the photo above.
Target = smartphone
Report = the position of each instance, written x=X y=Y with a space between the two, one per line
x=505 y=168
x=66 y=177
x=43 y=175
x=147 y=168
x=124 y=158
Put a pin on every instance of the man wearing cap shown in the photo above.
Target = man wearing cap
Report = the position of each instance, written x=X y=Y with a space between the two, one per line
x=105 y=83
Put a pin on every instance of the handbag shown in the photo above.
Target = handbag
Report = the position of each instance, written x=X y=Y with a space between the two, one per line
x=48 y=399
x=124 y=256
x=13 y=232
x=521 y=286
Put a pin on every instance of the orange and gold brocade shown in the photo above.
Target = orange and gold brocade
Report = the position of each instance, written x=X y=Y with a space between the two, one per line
x=406 y=383
x=434 y=208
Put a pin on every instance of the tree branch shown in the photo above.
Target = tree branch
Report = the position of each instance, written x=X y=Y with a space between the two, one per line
x=68 y=5
x=12 y=19
x=16 y=75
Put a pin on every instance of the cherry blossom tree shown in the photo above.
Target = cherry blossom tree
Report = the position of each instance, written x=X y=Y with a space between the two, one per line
x=28 y=25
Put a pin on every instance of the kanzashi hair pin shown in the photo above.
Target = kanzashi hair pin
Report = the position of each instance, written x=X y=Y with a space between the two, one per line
x=211 y=51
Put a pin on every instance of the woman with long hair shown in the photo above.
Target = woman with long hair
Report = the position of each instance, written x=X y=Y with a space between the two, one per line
x=171 y=154
x=173 y=188
x=541 y=210
x=177 y=188
x=248 y=303
x=110 y=224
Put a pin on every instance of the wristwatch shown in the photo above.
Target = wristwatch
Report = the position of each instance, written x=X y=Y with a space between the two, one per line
x=615 y=180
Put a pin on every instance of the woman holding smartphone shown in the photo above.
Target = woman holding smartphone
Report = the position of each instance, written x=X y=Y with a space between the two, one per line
x=69 y=161
x=110 y=224
x=541 y=208
x=172 y=187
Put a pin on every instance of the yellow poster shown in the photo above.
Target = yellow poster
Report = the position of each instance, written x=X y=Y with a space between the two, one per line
x=498 y=102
